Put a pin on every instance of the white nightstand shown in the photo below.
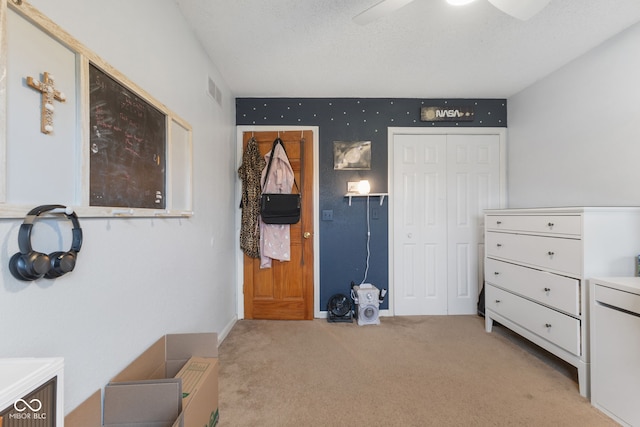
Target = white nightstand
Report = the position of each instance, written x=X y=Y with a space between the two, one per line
x=31 y=390
x=615 y=347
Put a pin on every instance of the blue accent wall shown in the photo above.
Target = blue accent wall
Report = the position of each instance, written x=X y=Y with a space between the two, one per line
x=343 y=240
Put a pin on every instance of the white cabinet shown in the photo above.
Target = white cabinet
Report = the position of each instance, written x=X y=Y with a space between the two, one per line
x=32 y=391
x=536 y=264
x=615 y=347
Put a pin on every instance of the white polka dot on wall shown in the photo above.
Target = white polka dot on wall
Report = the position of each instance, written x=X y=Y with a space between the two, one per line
x=401 y=112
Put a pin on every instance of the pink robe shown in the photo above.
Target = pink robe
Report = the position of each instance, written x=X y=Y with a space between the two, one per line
x=275 y=242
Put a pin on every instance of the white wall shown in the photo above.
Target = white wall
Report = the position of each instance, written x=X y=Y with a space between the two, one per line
x=574 y=137
x=136 y=279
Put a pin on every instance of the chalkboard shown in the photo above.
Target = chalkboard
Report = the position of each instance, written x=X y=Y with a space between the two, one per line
x=128 y=146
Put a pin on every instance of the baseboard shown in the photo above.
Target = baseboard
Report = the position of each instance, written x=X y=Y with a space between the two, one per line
x=381 y=313
x=226 y=330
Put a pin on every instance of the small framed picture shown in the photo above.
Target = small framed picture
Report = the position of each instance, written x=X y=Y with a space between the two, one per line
x=351 y=155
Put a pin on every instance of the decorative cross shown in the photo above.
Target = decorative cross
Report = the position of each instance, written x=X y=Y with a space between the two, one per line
x=49 y=93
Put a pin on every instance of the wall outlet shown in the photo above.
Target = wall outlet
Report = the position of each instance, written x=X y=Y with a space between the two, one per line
x=327 y=215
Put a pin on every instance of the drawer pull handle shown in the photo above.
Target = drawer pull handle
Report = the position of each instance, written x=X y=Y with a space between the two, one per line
x=551 y=224
x=499 y=245
x=498 y=301
x=496 y=273
x=547 y=325
x=547 y=290
x=498 y=222
x=551 y=253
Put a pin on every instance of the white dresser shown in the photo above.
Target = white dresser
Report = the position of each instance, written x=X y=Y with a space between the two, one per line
x=615 y=347
x=536 y=265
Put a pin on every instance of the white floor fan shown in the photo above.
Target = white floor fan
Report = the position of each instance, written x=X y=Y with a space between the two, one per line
x=521 y=9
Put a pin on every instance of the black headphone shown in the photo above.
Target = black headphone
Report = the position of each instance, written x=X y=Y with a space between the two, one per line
x=30 y=265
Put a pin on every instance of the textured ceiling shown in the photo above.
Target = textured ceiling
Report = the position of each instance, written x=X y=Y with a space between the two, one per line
x=427 y=49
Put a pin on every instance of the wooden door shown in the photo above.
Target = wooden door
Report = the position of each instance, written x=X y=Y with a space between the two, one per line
x=285 y=291
x=441 y=185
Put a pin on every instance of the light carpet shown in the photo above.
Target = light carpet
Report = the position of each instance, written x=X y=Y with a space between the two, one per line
x=407 y=371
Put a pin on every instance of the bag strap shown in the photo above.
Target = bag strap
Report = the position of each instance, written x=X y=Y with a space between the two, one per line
x=273 y=149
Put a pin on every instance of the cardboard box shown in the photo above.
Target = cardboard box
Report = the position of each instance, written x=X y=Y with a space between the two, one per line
x=174 y=383
x=199 y=392
x=87 y=414
x=150 y=403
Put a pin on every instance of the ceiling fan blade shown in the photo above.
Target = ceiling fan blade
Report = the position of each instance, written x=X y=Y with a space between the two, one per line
x=521 y=9
x=379 y=10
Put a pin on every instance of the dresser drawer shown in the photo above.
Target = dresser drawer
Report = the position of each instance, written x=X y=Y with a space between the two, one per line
x=558 y=328
x=557 y=254
x=548 y=224
x=559 y=292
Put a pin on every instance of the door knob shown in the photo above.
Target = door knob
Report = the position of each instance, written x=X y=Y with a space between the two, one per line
x=306 y=235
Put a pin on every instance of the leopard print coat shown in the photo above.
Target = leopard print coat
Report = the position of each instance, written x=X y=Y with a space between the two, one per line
x=250 y=172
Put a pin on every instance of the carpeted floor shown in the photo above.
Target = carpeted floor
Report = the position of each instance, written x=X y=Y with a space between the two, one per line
x=408 y=371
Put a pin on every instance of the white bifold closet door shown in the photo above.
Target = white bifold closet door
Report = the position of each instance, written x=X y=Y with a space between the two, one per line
x=441 y=186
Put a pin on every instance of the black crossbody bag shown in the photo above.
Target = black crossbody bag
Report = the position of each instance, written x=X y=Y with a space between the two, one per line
x=279 y=208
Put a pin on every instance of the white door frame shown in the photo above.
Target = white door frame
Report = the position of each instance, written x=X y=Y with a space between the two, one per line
x=391 y=133
x=316 y=218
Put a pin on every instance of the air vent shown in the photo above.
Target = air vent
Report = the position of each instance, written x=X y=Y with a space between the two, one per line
x=214 y=91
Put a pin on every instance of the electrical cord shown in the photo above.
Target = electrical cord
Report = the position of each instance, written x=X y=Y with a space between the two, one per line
x=366 y=271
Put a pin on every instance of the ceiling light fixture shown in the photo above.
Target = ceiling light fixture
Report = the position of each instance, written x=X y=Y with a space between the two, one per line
x=459 y=2
x=522 y=10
